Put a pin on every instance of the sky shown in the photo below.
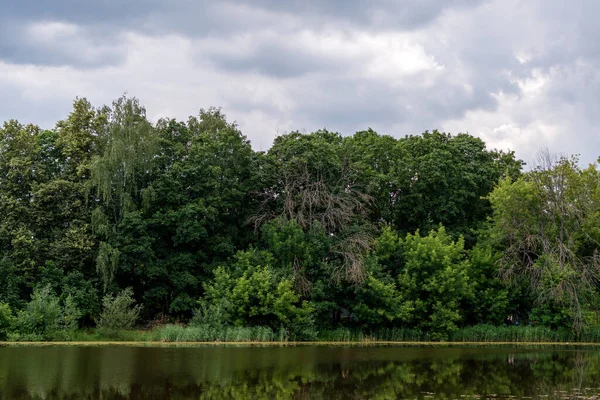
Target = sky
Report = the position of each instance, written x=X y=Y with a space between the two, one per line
x=520 y=74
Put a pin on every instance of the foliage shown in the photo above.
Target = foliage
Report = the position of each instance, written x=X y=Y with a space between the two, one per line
x=128 y=148
x=545 y=224
x=70 y=315
x=119 y=311
x=420 y=236
x=379 y=304
x=45 y=317
x=435 y=279
x=6 y=320
x=310 y=180
x=107 y=263
x=421 y=181
x=41 y=315
x=257 y=298
x=490 y=302
x=211 y=333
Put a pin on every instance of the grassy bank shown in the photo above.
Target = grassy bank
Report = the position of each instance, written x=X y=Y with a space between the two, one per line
x=477 y=333
x=228 y=334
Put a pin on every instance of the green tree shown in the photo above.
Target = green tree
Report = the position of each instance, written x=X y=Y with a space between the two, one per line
x=491 y=302
x=445 y=181
x=195 y=211
x=45 y=317
x=258 y=298
x=546 y=225
x=435 y=278
x=45 y=216
x=6 y=320
x=309 y=179
x=380 y=304
x=119 y=311
x=378 y=165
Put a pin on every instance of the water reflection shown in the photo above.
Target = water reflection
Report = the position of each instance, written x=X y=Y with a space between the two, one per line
x=294 y=373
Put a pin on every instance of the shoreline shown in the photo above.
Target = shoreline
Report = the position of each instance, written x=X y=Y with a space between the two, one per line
x=292 y=344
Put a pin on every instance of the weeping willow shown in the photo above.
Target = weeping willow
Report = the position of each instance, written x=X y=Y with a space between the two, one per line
x=107 y=263
x=129 y=147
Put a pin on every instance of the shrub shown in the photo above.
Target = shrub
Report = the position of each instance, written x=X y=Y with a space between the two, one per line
x=379 y=303
x=41 y=316
x=6 y=320
x=70 y=315
x=435 y=276
x=45 y=318
x=256 y=298
x=119 y=312
x=215 y=314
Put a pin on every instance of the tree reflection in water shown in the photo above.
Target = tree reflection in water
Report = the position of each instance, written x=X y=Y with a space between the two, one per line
x=295 y=372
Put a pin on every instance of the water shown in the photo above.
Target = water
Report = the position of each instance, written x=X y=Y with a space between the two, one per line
x=305 y=372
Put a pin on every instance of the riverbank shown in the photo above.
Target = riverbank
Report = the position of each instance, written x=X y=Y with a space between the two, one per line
x=170 y=333
x=299 y=344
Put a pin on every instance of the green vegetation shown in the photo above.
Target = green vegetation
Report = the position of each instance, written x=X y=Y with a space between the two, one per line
x=112 y=227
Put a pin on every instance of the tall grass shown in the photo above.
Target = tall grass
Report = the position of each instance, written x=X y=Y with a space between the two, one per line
x=490 y=333
x=477 y=333
x=379 y=335
x=210 y=333
x=98 y=335
x=215 y=333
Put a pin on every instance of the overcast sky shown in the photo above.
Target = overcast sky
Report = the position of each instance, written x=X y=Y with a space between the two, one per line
x=519 y=74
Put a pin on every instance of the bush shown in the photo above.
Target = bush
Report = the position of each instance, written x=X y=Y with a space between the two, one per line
x=379 y=304
x=215 y=314
x=435 y=276
x=6 y=320
x=41 y=317
x=44 y=318
x=119 y=312
x=69 y=321
x=256 y=298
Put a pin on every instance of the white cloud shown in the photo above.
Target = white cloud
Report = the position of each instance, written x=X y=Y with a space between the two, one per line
x=49 y=32
x=504 y=70
x=162 y=73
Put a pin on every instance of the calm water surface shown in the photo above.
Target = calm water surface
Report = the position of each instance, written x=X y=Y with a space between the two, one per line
x=296 y=373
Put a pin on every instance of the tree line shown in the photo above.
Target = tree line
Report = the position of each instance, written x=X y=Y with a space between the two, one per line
x=183 y=218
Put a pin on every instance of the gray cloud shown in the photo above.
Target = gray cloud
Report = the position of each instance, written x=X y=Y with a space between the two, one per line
x=130 y=14
x=519 y=74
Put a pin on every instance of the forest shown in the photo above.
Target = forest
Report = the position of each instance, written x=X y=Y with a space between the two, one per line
x=111 y=223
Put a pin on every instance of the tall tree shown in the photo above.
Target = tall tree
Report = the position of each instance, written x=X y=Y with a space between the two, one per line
x=309 y=179
x=446 y=180
x=546 y=224
x=196 y=207
x=119 y=174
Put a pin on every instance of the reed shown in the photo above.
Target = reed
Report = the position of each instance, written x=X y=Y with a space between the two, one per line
x=477 y=333
x=210 y=333
x=219 y=333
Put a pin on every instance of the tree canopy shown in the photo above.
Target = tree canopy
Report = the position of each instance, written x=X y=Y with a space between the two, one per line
x=188 y=221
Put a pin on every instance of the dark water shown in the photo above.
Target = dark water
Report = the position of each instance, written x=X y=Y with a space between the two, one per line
x=296 y=373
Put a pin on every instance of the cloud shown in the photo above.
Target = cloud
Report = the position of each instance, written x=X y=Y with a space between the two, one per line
x=521 y=75
x=57 y=43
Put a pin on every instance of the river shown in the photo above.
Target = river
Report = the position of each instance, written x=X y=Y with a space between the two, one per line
x=296 y=372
